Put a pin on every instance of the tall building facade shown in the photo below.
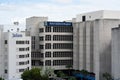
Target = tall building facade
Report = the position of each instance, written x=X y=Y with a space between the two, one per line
x=116 y=53
x=16 y=54
x=52 y=43
x=1 y=52
x=92 y=41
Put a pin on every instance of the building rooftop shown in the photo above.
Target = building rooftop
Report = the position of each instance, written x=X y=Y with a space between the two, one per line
x=102 y=14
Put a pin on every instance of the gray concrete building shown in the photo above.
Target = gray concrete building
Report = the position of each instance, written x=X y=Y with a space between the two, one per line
x=1 y=52
x=116 y=53
x=52 y=42
x=92 y=41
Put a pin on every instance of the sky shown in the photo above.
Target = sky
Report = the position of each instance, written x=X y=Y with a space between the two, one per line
x=55 y=10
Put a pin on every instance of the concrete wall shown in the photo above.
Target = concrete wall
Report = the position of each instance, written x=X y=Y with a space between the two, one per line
x=102 y=14
x=116 y=53
x=11 y=54
x=1 y=52
x=76 y=46
x=94 y=46
x=90 y=16
x=32 y=26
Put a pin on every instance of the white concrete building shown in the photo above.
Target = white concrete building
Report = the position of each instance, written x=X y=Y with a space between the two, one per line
x=116 y=53
x=52 y=42
x=92 y=41
x=15 y=50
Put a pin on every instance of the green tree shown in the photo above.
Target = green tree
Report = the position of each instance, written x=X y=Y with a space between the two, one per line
x=45 y=77
x=50 y=72
x=26 y=75
x=84 y=72
x=69 y=67
x=60 y=74
x=47 y=73
x=33 y=74
x=1 y=78
x=107 y=76
x=72 y=78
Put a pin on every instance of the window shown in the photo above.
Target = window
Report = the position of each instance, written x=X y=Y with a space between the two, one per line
x=33 y=37
x=36 y=55
x=17 y=42
x=28 y=68
x=21 y=56
x=37 y=63
x=62 y=45
x=41 y=47
x=33 y=62
x=21 y=49
x=83 y=18
x=48 y=46
x=48 y=54
x=48 y=62
x=5 y=41
x=27 y=42
x=22 y=42
x=5 y=71
x=27 y=62
x=41 y=38
x=24 y=56
x=41 y=30
x=47 y=29
x=21 y=63
x=21 y=70
x=24 y=49
x=27 y=55
x=63 y=54
x=27 y=49
x=33 y=42
x=33 y=46
x=24 y=63
x=63 y=29
x=62 y=37
x=62 y=62
x=48 y=37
